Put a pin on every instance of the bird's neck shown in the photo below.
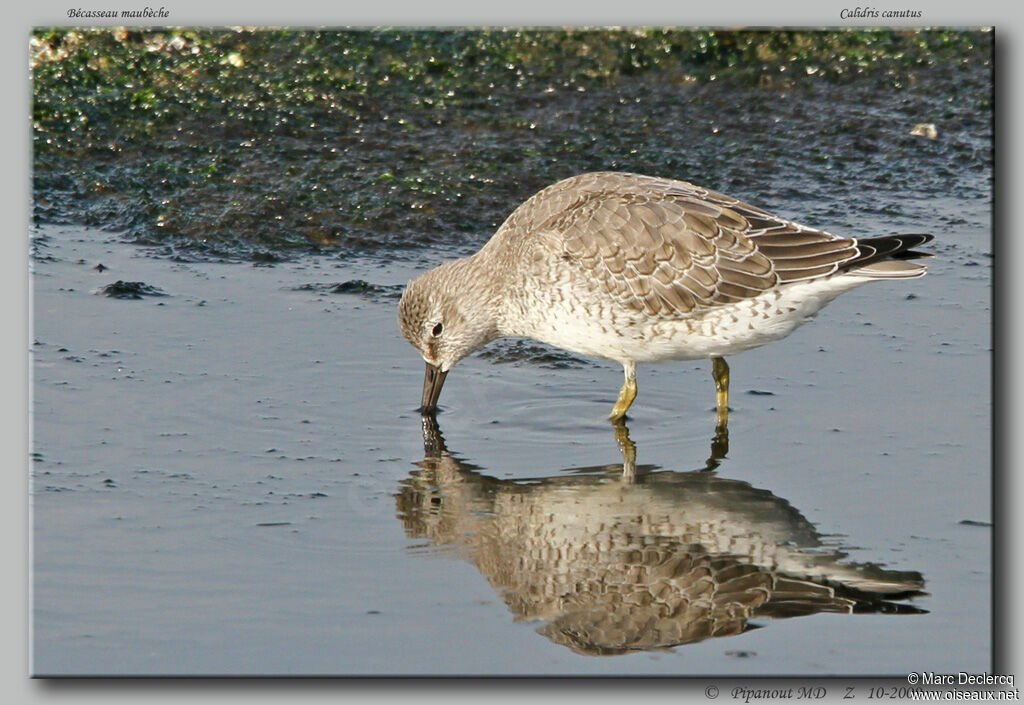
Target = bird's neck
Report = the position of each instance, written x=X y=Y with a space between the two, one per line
x=479 y=284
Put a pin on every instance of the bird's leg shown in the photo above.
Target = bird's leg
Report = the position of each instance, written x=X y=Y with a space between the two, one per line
x=720 y=371
x=627 y=394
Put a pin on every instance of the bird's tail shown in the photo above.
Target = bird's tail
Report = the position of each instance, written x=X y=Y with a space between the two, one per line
x=888 y=256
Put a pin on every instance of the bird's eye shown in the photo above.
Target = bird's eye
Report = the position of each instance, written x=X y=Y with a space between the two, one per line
x=438 y=329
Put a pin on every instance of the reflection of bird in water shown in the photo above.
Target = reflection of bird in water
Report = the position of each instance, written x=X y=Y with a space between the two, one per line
x=638 y=269
x=614 y=564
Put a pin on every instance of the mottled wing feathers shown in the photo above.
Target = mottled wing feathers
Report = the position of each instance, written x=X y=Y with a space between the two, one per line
x=665 y=258
x=670 y=249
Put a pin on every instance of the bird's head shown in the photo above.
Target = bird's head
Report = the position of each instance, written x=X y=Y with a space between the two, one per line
x=446 y=315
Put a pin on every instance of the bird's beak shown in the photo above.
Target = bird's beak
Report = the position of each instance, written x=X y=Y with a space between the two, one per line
x=433 y=380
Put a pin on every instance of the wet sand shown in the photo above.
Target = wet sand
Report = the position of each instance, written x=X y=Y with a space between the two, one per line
x=219 y=472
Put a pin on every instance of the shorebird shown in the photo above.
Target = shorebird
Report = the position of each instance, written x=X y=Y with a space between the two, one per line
x=634 y=269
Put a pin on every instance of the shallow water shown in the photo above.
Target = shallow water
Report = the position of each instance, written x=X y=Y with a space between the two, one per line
x=228 y=473
x=231 y=479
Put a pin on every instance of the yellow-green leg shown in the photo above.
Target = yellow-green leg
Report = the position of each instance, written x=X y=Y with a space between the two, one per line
x=627 y=394
x=720 y=371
